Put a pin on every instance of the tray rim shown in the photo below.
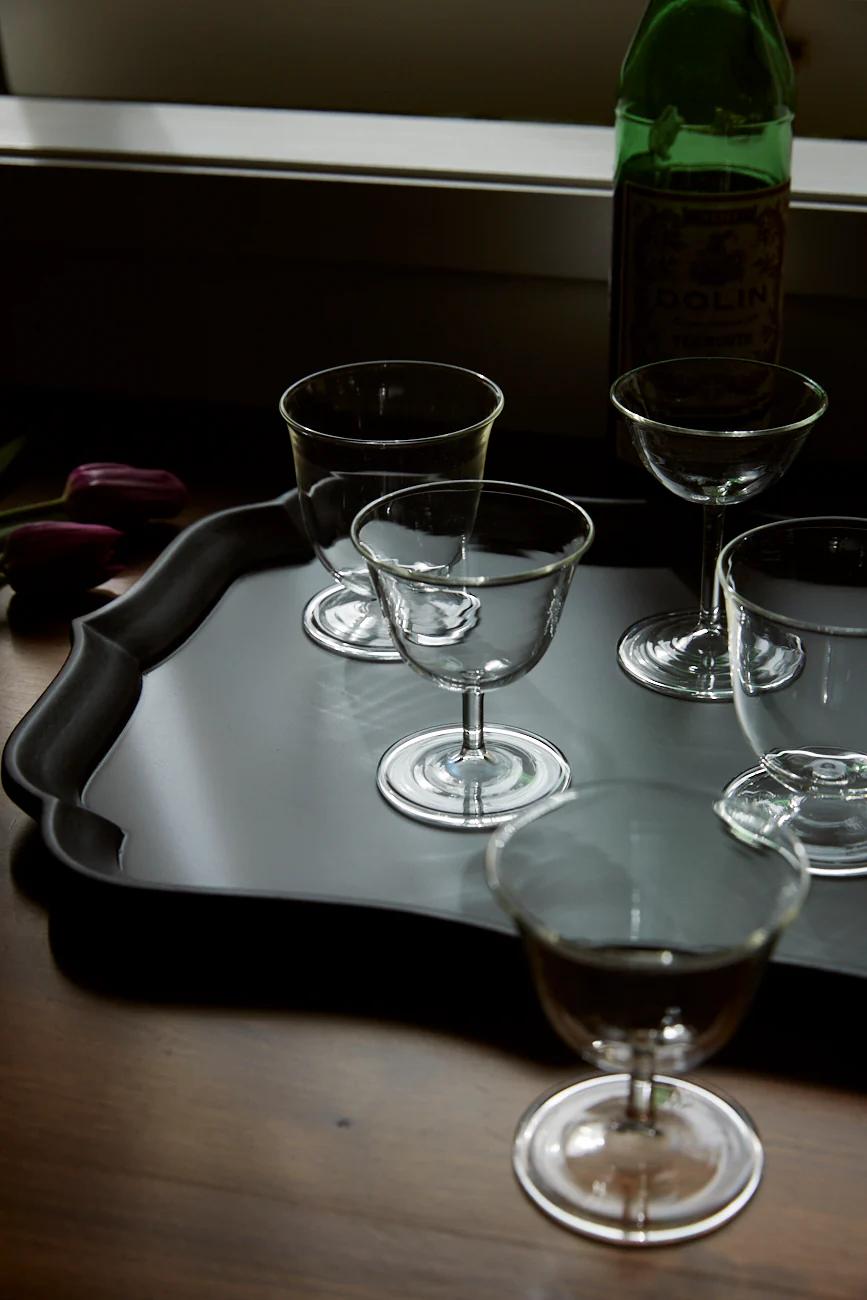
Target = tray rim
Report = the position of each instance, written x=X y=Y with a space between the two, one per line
x=127 y=629
x=30 y=786
x=31 y=789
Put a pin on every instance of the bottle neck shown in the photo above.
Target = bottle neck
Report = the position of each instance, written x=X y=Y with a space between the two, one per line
x=714 y=64
x=706 y=85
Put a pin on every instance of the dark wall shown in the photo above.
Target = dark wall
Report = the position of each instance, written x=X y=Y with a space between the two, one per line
x=138 y=309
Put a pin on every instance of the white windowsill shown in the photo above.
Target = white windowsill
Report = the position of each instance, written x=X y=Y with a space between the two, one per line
x=425 y=150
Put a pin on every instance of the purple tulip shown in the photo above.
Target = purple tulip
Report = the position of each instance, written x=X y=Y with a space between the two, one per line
x=50 y=557
x=110 y=493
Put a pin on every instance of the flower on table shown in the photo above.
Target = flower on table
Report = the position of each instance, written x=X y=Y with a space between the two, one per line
x=70 y=544
x=108 y=492
x=51 y=556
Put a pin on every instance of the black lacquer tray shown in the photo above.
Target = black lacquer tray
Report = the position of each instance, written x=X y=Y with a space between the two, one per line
x=197 y=746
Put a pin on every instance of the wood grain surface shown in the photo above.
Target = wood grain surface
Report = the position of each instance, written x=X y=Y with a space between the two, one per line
x=334 y=1120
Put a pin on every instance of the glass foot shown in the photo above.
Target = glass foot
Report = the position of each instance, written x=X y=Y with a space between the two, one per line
x=832 y=830
x=349 y=625
x=672 y=654
x=582 y=1164
x=424 y=776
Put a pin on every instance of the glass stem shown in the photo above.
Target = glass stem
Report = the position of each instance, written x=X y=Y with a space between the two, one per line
x=640 y=1107
x=710 y=612
x=473 y=741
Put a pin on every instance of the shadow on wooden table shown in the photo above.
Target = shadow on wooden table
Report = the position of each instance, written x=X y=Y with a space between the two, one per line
x=196 y=949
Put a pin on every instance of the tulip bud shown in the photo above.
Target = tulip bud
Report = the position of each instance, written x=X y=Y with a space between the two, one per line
x=110 y=493
x=51 y=557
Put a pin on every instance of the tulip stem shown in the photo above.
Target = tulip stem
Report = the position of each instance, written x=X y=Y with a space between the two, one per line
x=35 y=510
x=39 y=510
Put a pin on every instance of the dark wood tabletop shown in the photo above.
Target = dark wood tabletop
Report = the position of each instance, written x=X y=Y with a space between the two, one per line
x=230 y=1137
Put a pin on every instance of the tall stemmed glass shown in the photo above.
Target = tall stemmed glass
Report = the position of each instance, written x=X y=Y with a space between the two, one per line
x=796 y=593
x=648 y=913
x=472 y=578
x=357 y=432
x=717 y=431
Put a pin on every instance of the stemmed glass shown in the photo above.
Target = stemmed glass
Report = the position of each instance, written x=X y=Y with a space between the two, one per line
x=472 y=577
x=357 y=432
x=796 y=594
x=717 y=431
x=647 y=913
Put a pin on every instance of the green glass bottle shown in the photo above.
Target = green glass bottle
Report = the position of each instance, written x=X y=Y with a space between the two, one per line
x=704 y=139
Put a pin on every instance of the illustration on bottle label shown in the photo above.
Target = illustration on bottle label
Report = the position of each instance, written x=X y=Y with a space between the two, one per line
x=700 y=274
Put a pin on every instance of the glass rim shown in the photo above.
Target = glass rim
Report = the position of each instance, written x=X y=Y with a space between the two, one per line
x=337 y=438
x=479 y=485
x=647 y=422
x=785 y=620
x=789 y=848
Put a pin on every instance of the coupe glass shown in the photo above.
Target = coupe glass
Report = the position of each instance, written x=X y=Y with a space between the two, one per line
x=357 y=432
x=472 y=577
x=647 y=913
x=796 y=594
x=717 y=431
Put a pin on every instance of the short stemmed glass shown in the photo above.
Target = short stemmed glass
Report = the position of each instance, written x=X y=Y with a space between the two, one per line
x=472 y=578
x=648 y=913
x=357 y=432
x=796 y=593
x=717 y=431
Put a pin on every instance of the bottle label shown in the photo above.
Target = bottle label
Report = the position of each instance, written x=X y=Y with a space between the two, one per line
x=699 y=274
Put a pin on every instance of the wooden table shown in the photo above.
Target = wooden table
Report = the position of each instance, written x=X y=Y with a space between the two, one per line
x=213 y=1139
